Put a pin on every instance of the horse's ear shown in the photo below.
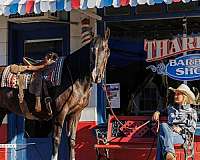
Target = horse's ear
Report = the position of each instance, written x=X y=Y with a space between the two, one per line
x=107 y=33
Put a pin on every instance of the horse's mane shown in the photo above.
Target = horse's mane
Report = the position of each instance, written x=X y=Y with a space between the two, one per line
x=76 y=66
x=79 y=63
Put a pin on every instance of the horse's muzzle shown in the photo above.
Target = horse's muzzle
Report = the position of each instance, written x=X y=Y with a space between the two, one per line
x=96 y=78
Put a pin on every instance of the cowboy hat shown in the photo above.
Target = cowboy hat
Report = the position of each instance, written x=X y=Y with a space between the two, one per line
x=183 y=88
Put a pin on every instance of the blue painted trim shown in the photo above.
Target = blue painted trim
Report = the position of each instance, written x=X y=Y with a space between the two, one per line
x=12 y=138
x=154 y=16
x=20 y=138
x=101 y=109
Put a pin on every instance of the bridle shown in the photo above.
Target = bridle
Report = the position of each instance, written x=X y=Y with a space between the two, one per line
x=95 y=63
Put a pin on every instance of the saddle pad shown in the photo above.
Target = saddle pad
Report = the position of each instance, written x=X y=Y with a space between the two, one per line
x=10 y=80
x=52 y=74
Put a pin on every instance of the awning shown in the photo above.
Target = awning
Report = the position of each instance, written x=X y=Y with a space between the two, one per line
x=22 y=7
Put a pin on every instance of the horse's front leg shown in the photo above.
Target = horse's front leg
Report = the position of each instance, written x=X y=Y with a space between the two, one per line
x=57 y=132
x=72 y=127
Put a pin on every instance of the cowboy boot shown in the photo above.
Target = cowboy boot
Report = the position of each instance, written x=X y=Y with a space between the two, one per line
x=170 y=156
x=38 y=107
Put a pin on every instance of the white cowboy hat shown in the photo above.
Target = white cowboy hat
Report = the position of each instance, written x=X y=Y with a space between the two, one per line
x=185 y=90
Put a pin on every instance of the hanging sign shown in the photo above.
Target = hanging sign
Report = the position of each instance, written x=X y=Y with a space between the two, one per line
x=184 y=68
x=113 y=92
x=161 y=49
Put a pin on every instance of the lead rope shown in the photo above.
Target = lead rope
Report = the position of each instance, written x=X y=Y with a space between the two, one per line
x=158 y=124
x=109 y=104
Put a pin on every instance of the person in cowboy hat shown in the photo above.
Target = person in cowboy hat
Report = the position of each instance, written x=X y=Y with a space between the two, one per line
x=181 y=117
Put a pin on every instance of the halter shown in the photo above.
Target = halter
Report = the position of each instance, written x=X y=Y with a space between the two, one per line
x=96 y=50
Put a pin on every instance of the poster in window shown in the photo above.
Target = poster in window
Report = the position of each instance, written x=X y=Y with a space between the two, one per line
x=113 y=92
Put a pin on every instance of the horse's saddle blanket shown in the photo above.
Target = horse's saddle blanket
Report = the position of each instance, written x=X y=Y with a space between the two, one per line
x=51 y=74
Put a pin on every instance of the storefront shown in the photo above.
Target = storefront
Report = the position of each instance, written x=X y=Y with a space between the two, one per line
x=141 y=90
x=142 y=44
x=133 y=54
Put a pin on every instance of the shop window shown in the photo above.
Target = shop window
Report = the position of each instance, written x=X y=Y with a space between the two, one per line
x=36 y=49
x=148 y=100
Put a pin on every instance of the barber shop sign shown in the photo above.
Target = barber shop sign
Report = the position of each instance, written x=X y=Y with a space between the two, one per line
x=186 y=67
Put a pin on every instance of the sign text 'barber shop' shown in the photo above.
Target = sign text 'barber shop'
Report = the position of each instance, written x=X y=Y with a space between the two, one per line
x=184 y=68
x=161 y=49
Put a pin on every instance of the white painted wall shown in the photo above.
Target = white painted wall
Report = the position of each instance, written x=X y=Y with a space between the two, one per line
x=89 y=113
x=3 y=41
x=3 y=45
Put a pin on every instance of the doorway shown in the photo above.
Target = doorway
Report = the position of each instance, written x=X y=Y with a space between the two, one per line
x=35 y=40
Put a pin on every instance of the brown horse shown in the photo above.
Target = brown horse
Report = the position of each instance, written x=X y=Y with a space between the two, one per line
x=80 y=70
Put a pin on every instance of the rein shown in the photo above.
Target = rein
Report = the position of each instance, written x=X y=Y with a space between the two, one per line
x=109 y=104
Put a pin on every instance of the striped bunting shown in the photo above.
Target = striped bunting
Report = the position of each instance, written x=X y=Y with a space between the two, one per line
x=22 y=7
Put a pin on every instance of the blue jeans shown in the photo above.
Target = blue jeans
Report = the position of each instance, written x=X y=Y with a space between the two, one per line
x=166 y=140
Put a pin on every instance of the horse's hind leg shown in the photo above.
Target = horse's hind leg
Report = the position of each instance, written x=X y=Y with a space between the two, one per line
x=57 y=132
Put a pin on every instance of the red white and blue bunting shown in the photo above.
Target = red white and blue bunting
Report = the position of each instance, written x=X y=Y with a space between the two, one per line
x=22 y=7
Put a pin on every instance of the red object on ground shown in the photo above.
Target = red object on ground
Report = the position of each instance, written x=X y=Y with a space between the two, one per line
x=85 y=141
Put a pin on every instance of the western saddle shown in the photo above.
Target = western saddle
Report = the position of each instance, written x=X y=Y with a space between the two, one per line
x=37 y=82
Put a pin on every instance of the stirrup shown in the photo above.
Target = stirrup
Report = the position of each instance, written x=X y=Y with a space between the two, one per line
x=38 y=107
x=48 y=101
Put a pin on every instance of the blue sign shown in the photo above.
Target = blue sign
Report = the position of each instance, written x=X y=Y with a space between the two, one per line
x=184 y=68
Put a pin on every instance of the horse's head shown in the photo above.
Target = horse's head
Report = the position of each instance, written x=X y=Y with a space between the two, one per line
x=101 y=52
